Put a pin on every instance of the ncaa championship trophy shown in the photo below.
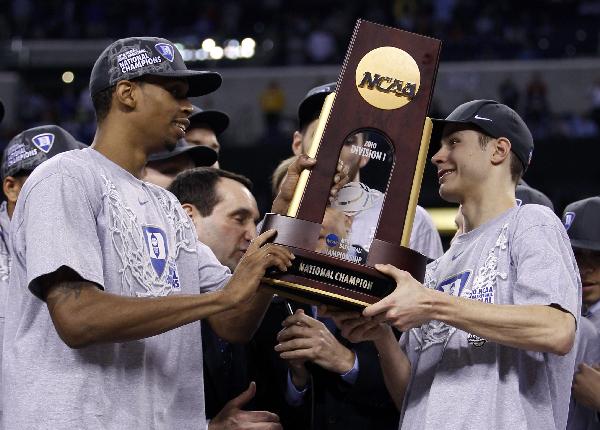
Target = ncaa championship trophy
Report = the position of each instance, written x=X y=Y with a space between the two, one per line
x=377 y=121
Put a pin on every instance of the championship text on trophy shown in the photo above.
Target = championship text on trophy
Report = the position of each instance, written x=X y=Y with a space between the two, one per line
x=375 y=123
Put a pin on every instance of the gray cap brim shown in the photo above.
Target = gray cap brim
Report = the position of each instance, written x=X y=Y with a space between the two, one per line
x=200 y=155
x=200 y=82
x=585 y=244
x=216 y=120
x=439 y=124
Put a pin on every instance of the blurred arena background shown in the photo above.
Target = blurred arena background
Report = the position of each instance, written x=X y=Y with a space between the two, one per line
x=539 y=57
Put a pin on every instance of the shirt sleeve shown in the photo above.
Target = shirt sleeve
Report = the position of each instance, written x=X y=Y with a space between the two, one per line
x=546 y=272
x=58 y=228
x=586 y=343
x=352 y=375
x=293 y=396
x=213 y=275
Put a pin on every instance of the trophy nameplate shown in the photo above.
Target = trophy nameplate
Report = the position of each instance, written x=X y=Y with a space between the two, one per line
x=378 y=116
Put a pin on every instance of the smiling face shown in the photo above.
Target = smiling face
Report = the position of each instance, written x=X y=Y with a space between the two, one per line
x=463 y=165
x=164 y=110
x=230 y=227
x=589 y=268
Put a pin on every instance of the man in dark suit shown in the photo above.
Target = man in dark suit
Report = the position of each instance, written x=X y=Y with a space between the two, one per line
x=224 y=213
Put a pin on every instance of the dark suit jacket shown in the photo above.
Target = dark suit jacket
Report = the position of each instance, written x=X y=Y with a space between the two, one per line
x=229 y=368
x=330 y=403
x=226 y=372
x=333 y=404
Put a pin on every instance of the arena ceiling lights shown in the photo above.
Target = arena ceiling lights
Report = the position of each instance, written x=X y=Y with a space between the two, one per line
x=230 y=49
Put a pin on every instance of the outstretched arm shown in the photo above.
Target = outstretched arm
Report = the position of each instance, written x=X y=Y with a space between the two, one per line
x=532 y=327
x=85 y=315
x=238 y=323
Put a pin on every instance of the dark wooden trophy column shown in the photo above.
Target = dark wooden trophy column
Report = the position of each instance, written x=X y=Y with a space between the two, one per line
x=384 y=89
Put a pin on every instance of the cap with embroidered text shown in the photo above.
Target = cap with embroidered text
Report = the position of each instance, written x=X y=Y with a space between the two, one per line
x=134 y=57
x=32 y=147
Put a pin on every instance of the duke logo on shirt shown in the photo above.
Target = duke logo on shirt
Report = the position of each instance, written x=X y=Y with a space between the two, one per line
x=157 y=248
x=455 y=284
x=43 y=141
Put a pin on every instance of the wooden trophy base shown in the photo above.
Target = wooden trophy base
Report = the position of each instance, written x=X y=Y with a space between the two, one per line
x=319 y=278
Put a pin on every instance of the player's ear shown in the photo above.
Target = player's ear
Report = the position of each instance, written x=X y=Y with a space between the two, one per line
x=297 y=143
x=501 y=150
x=189 y=209
x=12 y=187
x=127 y=93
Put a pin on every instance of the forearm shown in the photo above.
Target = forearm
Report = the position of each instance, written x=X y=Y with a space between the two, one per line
x=531 y=327
x=83 y=315
x=280 y=205
x=238 y=324
x=395 y=367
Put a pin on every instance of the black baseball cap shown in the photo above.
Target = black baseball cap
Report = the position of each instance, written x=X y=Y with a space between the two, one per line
x=133 y=57
x=582 y=221
x=216 y=120
x=527 y=195
x=200 y=155
x=310 y=107
x=494 y=119
x=32 y=147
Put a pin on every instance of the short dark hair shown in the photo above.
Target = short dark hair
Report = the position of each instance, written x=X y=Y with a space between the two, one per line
x=102 y=101
x=516 y=167
x=198 y=187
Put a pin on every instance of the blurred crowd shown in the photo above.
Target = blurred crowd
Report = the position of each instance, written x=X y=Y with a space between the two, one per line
x=314 y=32
x=73 y=111
x=311 y=32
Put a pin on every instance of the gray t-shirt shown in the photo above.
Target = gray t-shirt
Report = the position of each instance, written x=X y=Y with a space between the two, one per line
x=424 y=237
x=461 y=381
x=587 y=346
x=4 y=273
x=130 y=238
x=593 y=315
x=4 y=257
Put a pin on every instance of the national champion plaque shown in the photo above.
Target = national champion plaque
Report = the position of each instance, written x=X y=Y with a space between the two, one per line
x=376 y=122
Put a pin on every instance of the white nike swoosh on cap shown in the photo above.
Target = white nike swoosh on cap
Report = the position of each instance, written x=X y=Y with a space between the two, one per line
x=480 y=117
